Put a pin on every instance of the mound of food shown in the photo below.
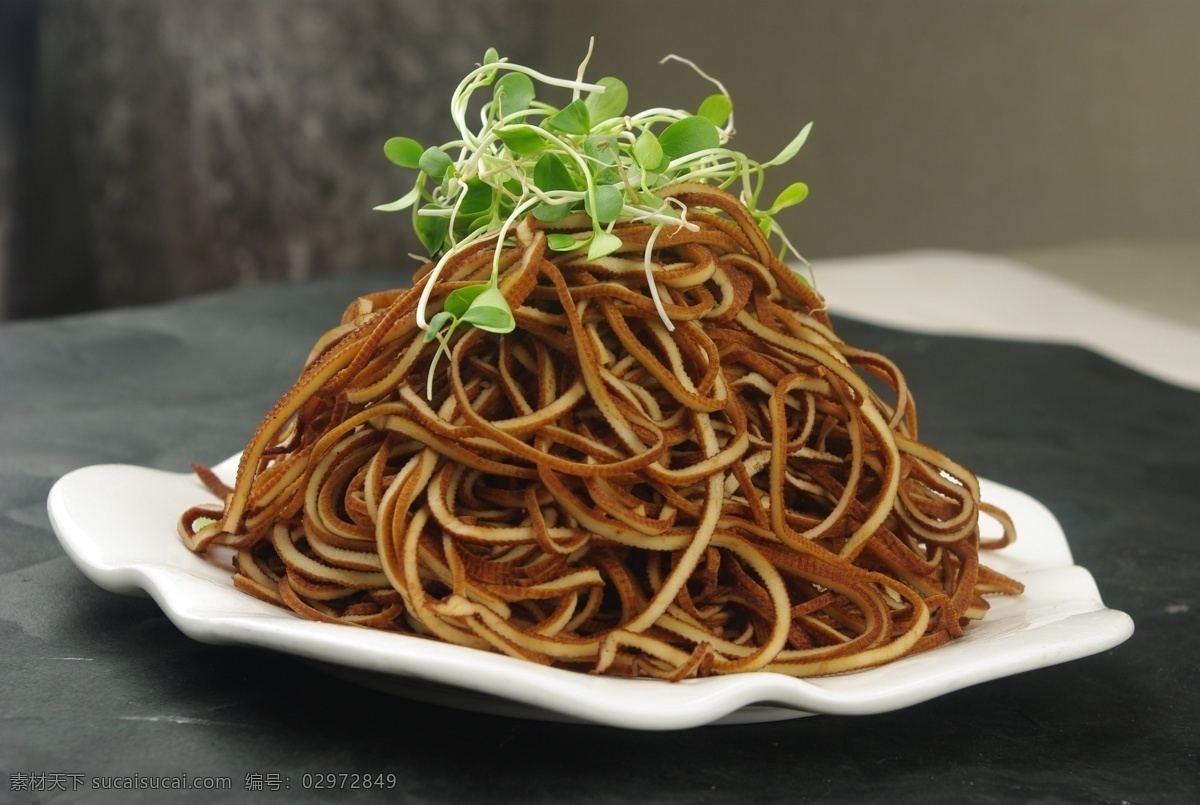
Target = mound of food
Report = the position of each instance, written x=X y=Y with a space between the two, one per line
x=626 y=441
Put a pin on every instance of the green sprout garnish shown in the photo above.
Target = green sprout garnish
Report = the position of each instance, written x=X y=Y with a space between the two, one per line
x=530 y=157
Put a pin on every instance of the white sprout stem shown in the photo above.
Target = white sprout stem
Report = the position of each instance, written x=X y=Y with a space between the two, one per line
x=754 y=181
x=741 y=170
x=684 y=223
x=443 y=346
x=487 y=136
x=461 y=97
x=722 y=172
x=658 y=218
x=707 y=153
x=694 y=66
x=458 y=201
x=474 y=80
x=427 y=291
x=758 y=189
x=788 y=247
x=565 y=83
x=659 y=114
x=514 y=215
x=582 y=67
x=556 y=196
x=649 y=263
x=728 y=130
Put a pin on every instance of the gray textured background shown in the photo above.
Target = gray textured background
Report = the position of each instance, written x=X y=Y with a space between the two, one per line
x=150 y=150
x=192 y=145
x=979 y=125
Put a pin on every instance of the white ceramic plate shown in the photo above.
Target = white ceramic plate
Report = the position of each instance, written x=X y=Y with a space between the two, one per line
x=117 y=523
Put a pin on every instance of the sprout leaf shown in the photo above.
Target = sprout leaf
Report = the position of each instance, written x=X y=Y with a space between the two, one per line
x=572 y=119
x=404 y=151
x=688 y=136
x=611 y=103
x=716 y=108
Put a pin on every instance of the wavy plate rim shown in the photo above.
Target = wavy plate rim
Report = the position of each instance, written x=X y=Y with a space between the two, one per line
x=117 y=523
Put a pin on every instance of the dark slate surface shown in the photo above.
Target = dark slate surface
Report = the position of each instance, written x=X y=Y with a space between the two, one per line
x=98 y=684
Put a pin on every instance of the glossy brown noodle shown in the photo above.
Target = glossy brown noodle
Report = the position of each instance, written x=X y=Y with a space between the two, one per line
x=596 y=492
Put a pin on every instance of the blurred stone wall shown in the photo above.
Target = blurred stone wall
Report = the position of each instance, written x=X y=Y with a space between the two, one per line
x=18 y=34
x=194 y=144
